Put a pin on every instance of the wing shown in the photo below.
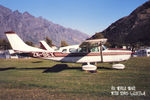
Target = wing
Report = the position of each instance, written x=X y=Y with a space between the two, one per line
x=96 y=42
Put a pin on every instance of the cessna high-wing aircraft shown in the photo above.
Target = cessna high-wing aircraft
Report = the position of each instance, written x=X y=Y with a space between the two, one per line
x=66 y=49
x=90 y=51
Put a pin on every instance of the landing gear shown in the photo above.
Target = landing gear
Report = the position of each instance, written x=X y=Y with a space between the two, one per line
x=118 y=66
x=89 y=67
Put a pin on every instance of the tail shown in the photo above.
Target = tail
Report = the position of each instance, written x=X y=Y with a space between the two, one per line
x=18 y=44
x=45 y=46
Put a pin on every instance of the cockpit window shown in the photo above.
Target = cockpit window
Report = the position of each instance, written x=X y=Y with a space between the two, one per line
x=104 y=47
x=83 y=50
x=94 y=49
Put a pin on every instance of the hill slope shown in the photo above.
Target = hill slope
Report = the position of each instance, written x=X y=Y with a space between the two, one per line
x=131 y=29
x=33 y=29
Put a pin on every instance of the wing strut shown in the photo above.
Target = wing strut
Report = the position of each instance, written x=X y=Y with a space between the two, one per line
x=101 y=52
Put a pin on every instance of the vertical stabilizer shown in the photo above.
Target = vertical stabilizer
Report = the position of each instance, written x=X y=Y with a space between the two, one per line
x=18 y=44
x=45 y=46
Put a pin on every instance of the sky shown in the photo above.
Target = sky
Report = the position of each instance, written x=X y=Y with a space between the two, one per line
x=88 y=16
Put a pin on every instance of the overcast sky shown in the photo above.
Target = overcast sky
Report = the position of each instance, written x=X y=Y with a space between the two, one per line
x=88 y=16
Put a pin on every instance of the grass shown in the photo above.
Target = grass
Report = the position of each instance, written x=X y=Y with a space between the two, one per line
x=36 y=79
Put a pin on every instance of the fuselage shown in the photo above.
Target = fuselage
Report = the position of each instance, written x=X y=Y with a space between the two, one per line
x=109 y=55
x=88 y=51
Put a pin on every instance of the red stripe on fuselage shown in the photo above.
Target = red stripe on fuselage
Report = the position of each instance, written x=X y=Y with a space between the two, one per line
x=118 y=49
x=60 y=54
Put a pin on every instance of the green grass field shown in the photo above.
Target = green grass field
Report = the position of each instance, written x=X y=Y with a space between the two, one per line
x=36 y=79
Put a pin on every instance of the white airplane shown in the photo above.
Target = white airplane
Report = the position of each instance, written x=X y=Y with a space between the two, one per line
x=45 y=46
x=90 y=51
x=66 y=49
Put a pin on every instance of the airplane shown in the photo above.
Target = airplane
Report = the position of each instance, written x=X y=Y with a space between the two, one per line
x=45 y=46
x=66 y=49
x=90 y=51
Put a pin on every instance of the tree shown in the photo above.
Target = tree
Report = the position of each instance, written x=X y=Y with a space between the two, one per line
x=98 y=36
x=4 y=45
x=29 y=43
x=108 y=44
x=63 y=43
x=49 y=41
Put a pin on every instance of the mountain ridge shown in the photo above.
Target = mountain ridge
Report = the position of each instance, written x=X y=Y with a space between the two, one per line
x=132 y=29
x=34 y=29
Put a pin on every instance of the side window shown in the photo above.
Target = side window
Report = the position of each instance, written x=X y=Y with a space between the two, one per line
x=64 y=50
x=72 y=50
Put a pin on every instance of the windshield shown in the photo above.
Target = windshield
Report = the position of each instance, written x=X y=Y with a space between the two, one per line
x=104 y=47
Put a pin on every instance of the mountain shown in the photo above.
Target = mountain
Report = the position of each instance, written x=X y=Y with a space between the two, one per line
x=132 y=29
x=33 y=29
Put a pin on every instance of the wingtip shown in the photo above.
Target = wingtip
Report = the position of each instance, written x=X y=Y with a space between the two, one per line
x=10 y=32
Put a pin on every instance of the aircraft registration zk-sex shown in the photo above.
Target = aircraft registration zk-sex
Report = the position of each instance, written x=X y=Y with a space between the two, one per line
x=90 y=51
